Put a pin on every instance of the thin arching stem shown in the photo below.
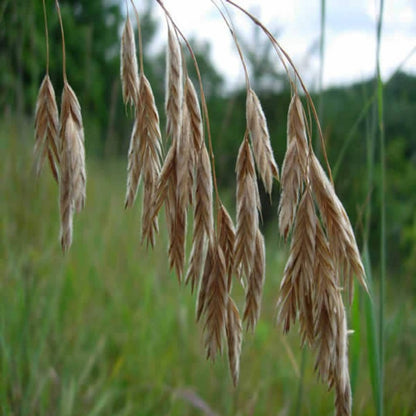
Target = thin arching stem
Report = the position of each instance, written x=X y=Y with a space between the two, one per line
x=240 y=53
x=139 y=31
x=203 y=101
x=58 y=9
x=45 y=19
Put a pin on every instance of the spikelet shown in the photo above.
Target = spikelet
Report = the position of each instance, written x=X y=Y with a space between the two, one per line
x=133 y=166
x=192 y=104
x=173 y=102
x=260 y=139
x=291 y=182
x=203 y=288
x=150 y=226
x=185 y=161
x=340 y=234
x=295 y=289
x=73 y=175
x=296 y=130
x=255 y=284
x=149 y=155
x=215 y=305
x=295 y=166
x=203 y=217
x=66 y=199
x=234 y=332
x=46 y=128
x=128 y=65
x=247 y=204
x=226 y=240
x=177 y=239
x=326 y=299
x=165 y=181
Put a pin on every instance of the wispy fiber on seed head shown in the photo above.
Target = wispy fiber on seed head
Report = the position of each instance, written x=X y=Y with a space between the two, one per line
x=260 y=139
x=247 y=204
x=173 y=103
x=128 y=65
x=234 y=332
x=46 y=128
x=254 y=290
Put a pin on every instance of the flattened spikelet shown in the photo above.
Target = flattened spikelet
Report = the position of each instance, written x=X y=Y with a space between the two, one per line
x=234 y=332
x=226 y=240
x=247 y=204
x=149 y=155
x=203 y=217
x=46 y=128
x=165 y=181
x=203 y=289
x=296 y=291
x=173 y=103
x=73 y=175
x=133 y=166
x=177 y=241
x=128 y=65
x=260 y=139
x=66 y=191
x=150 y=226
x=255 y=284
x=215 y=309
x=296 y=130
x=291 y=188
x=327 y=298
x=185 y=162
x=340 y=234
x=192 y=104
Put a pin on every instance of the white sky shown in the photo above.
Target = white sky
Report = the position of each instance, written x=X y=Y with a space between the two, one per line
x=350 y=34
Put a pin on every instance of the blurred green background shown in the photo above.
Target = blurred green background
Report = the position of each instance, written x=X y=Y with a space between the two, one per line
x=106 y=330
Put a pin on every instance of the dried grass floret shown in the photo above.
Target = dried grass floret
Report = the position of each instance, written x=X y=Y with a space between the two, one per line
x=128 y=65
x=46 y=128
x=247 y=205
x=260 y=139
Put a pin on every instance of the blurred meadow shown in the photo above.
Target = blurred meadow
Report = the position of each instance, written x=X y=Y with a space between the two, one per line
x=106 y=329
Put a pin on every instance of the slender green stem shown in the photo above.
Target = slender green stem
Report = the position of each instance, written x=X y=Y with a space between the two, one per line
x=45 y=19
x=58 y=9
x=382 y=203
